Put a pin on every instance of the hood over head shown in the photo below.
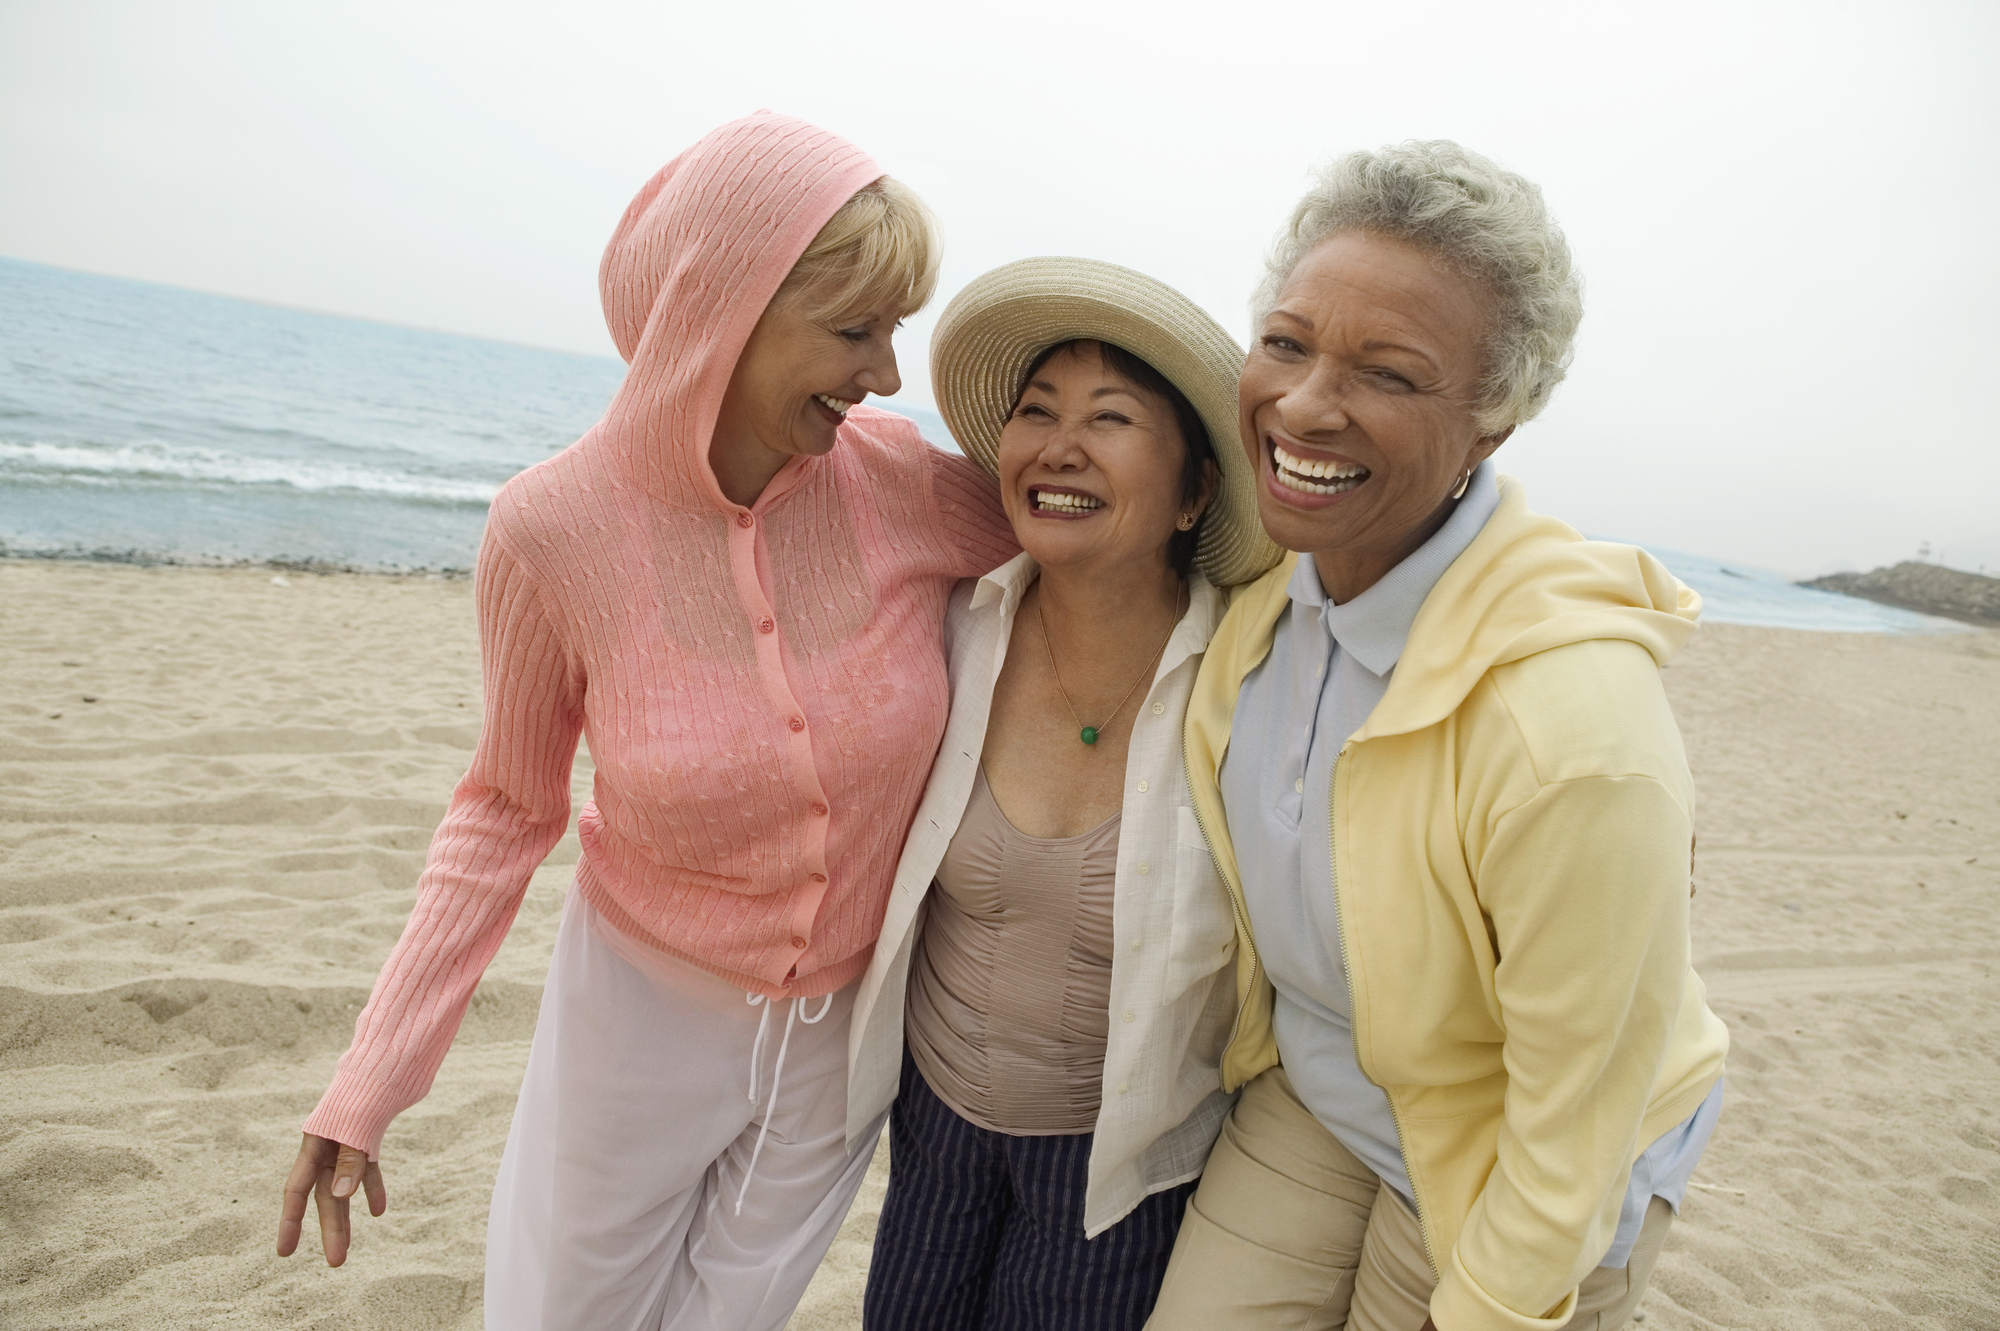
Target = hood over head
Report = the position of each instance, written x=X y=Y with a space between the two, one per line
x=694 y=262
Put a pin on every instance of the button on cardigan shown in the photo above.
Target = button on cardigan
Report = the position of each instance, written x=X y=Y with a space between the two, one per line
x=763 y=688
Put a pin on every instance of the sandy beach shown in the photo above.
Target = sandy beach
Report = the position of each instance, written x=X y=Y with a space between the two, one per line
x=217 y=785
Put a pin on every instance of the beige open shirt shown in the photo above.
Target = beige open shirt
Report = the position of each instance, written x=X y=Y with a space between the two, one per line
x=1173 y=990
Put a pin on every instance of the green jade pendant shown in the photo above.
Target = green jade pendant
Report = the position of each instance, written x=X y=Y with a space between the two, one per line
x=1089 y=735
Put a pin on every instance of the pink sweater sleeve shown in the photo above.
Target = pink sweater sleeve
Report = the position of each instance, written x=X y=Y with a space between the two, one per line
x=968 y=509
x=505 y=817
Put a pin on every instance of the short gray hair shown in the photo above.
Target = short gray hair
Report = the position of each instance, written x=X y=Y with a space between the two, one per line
x=1468 y=213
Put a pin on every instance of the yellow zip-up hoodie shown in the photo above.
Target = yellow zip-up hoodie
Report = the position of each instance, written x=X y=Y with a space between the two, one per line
x=1512 y=834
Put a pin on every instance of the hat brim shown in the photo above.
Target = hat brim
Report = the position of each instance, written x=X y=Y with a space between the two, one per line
x=994 y=328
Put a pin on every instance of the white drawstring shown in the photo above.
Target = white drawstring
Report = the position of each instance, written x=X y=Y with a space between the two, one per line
x=777 y=1074
x=757 y=1047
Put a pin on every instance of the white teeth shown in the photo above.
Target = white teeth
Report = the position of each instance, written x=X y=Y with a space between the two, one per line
x=1293 y=472
x=1066 y=503
x=1324 y=469
x=1291 y=482
x=833 y=404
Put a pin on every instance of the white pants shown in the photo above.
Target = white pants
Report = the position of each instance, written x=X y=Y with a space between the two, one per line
x=617 y=1205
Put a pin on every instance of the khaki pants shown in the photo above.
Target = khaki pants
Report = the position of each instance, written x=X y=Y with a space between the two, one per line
x=1289 y=1230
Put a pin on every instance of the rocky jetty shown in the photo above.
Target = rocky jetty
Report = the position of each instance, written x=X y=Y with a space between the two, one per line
x=1930 y=588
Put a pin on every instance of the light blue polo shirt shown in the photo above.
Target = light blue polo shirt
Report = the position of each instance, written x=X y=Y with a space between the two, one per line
x=1328 y=667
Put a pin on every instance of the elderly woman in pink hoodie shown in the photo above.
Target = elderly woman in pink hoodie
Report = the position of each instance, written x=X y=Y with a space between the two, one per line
x=734 y=586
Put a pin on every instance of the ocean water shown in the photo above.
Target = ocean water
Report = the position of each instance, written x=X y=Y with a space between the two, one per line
x=147 y=422
x=1741 y=594
x=150 y=423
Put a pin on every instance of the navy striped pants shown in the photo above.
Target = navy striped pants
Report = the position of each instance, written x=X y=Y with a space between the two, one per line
x=982 y=1231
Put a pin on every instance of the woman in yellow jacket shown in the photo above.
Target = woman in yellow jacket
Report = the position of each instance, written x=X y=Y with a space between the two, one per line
x=1436 y=766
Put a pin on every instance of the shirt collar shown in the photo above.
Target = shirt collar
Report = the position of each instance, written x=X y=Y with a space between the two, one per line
x=1374 y=626
x=1206 y=606
x=1008 y=583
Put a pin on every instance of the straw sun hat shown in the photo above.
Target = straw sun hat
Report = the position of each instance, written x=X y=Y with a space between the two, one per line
x=993 y=330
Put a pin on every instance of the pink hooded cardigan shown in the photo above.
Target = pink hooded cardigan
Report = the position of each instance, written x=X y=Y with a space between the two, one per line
x=763 y=688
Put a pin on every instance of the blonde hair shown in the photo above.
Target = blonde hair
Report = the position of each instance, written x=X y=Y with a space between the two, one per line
x=881 y=248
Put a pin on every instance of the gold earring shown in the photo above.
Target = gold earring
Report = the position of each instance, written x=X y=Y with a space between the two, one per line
x=1458 y=492
x=1186 y=523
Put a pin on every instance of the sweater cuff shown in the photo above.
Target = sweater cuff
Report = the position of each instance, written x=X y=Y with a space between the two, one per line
x=1460 y=1304
x=355 y=1112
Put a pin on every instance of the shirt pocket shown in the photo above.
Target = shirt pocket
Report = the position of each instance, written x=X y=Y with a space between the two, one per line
x=1204 y=924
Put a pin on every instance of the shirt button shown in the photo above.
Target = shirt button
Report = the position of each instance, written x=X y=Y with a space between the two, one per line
x=765 y=626
x=745 y=520
x=1159 y=709
x=798 y=723
x=798 y=942
x=819 y=878
x=1124 y=1016
x=1320 y=671
x=1137 y=944
x=1299 y=785
x=1145 y=867
x=1124 y=1086
x=819 y=810
x=1143 y=787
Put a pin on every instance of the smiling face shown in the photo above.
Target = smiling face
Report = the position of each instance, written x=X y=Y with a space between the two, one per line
x=792 y=387
x=1357 y=405
x=1090 y=466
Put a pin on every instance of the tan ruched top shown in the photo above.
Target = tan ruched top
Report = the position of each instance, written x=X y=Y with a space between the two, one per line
x=1009 y=998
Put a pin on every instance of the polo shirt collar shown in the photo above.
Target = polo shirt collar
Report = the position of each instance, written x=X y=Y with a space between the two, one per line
x=1374 y=626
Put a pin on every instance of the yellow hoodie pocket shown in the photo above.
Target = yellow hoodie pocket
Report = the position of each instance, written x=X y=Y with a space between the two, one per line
x=1204 y=926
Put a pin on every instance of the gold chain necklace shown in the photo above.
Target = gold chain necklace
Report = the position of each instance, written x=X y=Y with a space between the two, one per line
x=1089 y=734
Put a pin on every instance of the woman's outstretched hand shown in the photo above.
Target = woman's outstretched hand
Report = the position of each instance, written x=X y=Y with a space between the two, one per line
x=331 y=1172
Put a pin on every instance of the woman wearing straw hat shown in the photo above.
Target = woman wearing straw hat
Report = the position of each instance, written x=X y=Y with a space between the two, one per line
x=734 y=585
x=1058 y=948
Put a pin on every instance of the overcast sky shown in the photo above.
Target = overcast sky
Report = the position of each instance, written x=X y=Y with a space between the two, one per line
x=1785 y=214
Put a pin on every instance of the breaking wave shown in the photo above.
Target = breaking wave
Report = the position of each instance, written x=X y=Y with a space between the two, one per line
x=165 y=464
